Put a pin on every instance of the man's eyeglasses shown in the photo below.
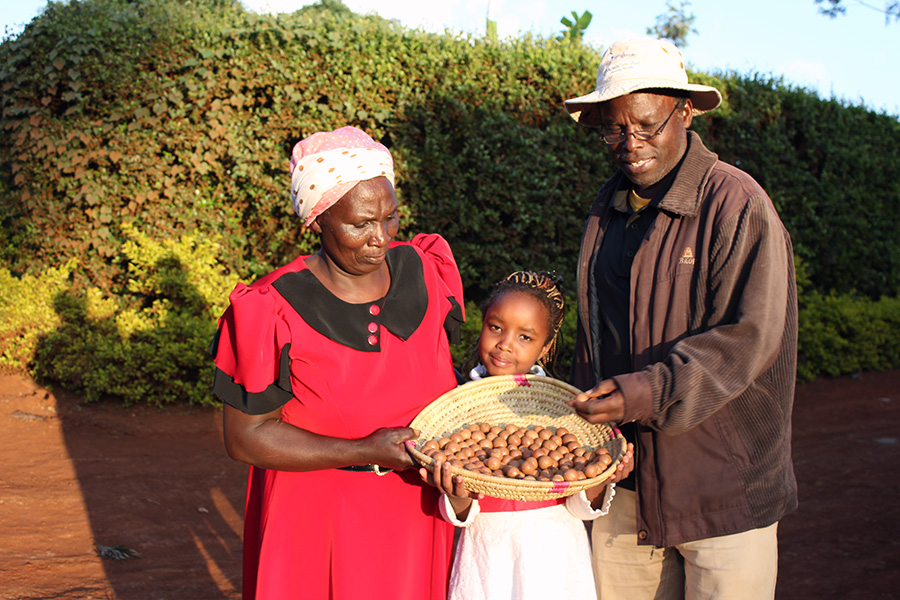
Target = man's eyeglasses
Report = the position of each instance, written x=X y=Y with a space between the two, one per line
x=617 y=137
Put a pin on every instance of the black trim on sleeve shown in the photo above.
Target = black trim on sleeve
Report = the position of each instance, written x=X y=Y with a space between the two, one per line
x=257 y=403
x=214 y=343
x=453 y=321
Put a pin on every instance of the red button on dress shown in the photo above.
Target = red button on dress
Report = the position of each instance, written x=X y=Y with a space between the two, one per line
x=374 y=310
x=373 y=340
x=372 y=327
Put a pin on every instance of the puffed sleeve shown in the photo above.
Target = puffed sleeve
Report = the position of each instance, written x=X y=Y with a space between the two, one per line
x=449 y=514
x=437 y=252
x=580 y=508
x=252 y=365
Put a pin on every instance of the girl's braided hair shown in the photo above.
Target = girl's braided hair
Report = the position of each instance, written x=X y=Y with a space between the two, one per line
x=547 y=289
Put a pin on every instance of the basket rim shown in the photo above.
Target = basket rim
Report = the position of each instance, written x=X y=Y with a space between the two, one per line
x=549 y=489
x=517 y=382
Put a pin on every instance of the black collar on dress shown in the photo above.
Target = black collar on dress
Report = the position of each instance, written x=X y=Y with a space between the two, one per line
x=401 y=310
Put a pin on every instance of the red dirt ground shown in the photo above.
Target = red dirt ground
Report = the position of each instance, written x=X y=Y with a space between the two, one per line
x=77 y=476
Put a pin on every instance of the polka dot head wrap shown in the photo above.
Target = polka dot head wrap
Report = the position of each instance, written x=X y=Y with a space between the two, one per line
x=327 y=165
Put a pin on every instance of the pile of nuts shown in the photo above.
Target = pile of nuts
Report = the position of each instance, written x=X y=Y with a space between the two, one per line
x=535 y=453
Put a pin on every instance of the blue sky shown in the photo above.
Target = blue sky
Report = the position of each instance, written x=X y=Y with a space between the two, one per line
x=852 y=58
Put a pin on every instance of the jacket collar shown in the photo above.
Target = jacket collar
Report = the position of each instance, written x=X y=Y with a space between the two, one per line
x=685 y=192
x=683 y=198
x=480 y=372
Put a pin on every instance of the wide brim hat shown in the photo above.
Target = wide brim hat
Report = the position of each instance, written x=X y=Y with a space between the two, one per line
x=640 y=64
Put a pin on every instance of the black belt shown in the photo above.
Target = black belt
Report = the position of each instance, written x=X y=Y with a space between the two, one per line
x=367 y=469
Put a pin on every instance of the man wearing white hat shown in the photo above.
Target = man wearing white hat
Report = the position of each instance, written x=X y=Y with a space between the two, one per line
x=687 y=336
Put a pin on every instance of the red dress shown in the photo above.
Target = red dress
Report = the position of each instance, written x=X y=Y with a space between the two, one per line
x=343 y=370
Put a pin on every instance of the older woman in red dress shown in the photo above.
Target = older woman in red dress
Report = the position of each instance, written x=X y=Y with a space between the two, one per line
x=321 y=365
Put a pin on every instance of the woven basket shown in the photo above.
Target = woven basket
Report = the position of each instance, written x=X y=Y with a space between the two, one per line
x=522 y=400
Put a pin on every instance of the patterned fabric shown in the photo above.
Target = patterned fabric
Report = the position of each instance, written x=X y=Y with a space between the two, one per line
x=327 y=165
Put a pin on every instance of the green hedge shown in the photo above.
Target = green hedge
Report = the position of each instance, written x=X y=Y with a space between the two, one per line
x=174 y=120
x=831 y=172
x=148 y=343
x=195 y=130
x=179 y=116
x=847 y=334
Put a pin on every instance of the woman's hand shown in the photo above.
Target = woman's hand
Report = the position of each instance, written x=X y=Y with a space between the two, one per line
x=387 y=447
x=268 y=442
x=603 y=403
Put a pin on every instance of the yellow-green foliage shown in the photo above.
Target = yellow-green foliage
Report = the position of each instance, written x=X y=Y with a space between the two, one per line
x=187 y=269
x=145 y=344
x=26 y=311
x=29 y=311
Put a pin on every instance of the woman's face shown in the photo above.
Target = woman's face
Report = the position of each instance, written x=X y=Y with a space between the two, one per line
x=356 y=230
x=514 y=335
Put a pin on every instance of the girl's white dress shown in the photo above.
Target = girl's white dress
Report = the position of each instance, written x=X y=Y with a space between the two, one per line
x=525 y=554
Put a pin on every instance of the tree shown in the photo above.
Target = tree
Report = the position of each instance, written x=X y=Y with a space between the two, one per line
x=834 y=8
x=490 y=25
x=576 y=27
x=334 y=7
x=491 y=30
x=674 y=25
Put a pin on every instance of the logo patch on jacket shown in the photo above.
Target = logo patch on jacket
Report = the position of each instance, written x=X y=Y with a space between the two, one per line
x=687 y=258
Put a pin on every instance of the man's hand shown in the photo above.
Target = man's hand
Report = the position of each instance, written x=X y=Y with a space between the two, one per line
x=602 y=404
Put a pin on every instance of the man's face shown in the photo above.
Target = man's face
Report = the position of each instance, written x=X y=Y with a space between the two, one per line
x=646 y=163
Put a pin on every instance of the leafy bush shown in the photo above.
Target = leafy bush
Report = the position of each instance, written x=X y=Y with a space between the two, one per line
x=124 y=117
x=847 y=334
x=181 y=116
x=830 y=170
x=149 y=345
x=27 y=312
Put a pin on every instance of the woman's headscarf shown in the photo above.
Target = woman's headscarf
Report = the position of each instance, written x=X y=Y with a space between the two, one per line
x=327 y=165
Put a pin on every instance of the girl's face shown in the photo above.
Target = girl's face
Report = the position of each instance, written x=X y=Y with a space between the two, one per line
x=514 y=335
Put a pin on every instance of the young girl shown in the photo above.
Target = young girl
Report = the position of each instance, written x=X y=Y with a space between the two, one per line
x=511 y=549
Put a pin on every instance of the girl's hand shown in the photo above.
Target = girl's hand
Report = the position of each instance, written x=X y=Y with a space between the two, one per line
x=450 y=485
x=596 y=494
x=445 y=481
x=626 y=466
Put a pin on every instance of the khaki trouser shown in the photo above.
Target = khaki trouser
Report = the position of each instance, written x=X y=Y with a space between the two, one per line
x=742 y=566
